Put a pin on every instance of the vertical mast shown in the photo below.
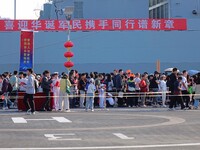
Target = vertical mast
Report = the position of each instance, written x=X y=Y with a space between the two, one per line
x=15 y=9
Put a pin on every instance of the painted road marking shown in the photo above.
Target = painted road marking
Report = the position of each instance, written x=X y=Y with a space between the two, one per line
x=107 y=147
x=123 y=137
x=59 y=137
x=62 y=119
x=40 y=119
x=58 y=119
x=19 y=120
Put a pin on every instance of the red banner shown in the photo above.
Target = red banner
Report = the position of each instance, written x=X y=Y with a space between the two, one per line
x=94 y=25
x=26 y=50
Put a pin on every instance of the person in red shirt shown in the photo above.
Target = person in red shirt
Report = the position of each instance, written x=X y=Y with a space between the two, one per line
x=143 y=89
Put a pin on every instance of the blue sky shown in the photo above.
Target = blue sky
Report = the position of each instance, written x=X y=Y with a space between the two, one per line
x=25 y=8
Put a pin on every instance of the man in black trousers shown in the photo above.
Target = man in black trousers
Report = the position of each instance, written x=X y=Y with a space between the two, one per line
x=46 y=86
x=171 y=83
x=30 y=91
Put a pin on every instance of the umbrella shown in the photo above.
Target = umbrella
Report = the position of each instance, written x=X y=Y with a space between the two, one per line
x=168 y=70
x=193 y=72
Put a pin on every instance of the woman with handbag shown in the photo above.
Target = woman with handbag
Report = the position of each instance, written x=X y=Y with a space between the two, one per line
x=65 y=85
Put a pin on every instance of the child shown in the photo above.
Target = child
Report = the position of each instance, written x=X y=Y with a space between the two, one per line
x=102 y=96
x=109 y=100
x=90 y=95
x=163 y=89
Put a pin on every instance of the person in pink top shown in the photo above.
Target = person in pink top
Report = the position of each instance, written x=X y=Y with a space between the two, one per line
x=56 y=90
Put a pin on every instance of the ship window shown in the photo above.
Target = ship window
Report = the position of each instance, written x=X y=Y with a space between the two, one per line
x=166 y=11
x=158 y=9
x=78 y=9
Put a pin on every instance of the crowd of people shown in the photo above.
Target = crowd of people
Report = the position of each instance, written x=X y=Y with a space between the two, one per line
x=90 y=90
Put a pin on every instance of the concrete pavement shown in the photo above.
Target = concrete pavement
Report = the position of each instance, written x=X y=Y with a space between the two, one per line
x=118 y=128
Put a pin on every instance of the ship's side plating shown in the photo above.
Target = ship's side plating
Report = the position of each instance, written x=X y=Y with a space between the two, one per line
x=106 y=50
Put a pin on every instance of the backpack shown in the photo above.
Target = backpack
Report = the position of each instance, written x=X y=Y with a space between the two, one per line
x=87 y=85
x=68 y=89
x=131 y=86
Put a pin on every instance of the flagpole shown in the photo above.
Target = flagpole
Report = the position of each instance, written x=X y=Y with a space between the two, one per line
x=15 y=9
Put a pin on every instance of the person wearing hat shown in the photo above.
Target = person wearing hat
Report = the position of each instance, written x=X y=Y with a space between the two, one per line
x=65 y=85
x=109 y=100
x=90 y=95
x=102 y=96
x=128 y=73
x=56 y=89
x=131 y=90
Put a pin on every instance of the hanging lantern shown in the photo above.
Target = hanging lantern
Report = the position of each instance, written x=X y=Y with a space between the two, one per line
x=68 y=64
x=69 y=54
x=69 y=44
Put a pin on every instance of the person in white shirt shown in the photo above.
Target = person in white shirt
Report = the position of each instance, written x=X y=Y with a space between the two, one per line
x=56 y=90
x=109 y=99
x=184 y=89
x=22 y=81
x=102 y=97
x=90 y=95
x=30 y=91
x=163 y=89
x=137 y=81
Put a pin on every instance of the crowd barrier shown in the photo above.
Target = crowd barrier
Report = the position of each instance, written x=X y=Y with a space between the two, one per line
x=39 y=99
x=41 y=96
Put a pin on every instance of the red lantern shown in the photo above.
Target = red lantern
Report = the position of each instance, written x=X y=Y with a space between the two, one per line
x=68 y=54
x=69 y=44
x=69 y=64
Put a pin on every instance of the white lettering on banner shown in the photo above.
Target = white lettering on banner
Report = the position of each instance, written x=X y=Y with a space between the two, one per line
x=122 y=136
x=22 y=24
x=116 y=24
x=9 y=24
x=50 y=24
x=103 y=23
x=143 y=24
x=90 y=24
x=156 y=24
x=60 y=137
x=76 y=24
x=169 y=24
x=63 y=24
x=36 y=24
x=130 y=23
